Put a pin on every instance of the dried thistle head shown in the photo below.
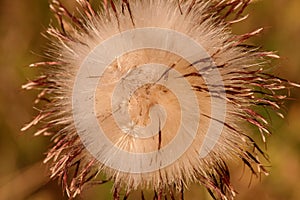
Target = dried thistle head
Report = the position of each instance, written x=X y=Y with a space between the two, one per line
x=155 y=95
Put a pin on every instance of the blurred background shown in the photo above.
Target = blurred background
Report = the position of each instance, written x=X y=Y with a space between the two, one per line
x=22 y=174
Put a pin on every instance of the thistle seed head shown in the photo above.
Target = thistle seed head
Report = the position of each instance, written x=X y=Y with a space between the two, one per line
x=155 y=95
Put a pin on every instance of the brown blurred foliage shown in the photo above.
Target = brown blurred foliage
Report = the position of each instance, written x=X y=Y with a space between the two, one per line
x=22 y=174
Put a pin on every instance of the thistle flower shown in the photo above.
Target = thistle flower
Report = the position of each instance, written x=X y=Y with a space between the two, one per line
x=154 y=95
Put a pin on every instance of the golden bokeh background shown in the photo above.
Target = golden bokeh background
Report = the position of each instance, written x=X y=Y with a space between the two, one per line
x=24 y=177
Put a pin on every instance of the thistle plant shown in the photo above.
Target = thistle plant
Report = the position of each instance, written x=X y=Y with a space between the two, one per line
x=154 y=95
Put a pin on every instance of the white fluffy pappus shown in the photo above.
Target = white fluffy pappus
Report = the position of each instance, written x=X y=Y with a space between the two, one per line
x=154 y=106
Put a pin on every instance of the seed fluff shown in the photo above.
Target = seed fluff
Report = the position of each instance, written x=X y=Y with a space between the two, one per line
x=159 y=108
